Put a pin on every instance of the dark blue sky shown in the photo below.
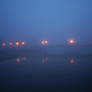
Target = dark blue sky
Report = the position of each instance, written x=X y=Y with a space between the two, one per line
x=55 y=20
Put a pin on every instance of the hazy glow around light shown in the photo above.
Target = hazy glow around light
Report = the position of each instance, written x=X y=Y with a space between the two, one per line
x=44 y=42
x=18 y=60
x=72 y=41
x=3 y=44
x=23 y=43
x=10 y=43
x=72 y=60
x=17 y=43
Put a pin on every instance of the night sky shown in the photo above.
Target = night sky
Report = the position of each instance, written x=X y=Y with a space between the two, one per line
x=53 y=20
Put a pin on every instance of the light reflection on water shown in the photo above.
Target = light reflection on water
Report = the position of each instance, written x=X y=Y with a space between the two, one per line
x=72 y=60
x=52 y=76
x=44 y=60
x=21 y=59
x=18 y=60
x=45 y=71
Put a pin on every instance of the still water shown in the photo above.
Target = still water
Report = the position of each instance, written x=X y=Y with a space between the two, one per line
x=46 y=73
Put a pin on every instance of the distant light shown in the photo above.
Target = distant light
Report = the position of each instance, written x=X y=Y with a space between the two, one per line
x=72 y=60
x=17 y=43
x=44 y=42
x=10 y=43
x=3 y=44
x=23 y=43
x=18 y=60
x=44 y=60
x=72 y=41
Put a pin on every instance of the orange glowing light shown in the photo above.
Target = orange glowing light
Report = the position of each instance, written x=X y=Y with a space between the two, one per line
x=72 y=41
x=23 y=43
x=17 y=43
x=4 y=44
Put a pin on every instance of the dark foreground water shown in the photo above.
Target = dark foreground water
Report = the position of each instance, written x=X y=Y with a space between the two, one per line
x=46 y=72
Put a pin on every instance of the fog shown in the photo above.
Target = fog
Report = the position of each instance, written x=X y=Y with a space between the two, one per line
x=53 y=20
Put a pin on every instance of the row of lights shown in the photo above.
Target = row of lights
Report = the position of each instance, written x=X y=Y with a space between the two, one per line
x=44 y=60
x=71 y=41
x=17 y=43
x=23 y=43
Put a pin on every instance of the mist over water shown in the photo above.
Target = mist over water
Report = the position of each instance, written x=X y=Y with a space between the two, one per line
x=45 y=46
x=47 y=69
